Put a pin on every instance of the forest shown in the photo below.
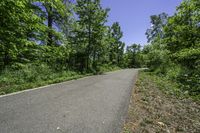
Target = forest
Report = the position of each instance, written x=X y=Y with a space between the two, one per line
x=49 y=41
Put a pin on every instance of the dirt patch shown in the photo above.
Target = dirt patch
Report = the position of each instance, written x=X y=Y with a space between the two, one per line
x=153 y=111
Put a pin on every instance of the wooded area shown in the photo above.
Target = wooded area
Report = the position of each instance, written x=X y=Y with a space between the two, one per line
x=58 y=33
x=41 y=40
x=174 y=51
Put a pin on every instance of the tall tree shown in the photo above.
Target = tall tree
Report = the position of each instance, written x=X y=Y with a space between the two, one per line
x=56 y=15
x=175 y=45
x=157 y=24
x=183 y=41
x=132 y=52
x=91 y=20
x=182 y=34
x=17 y=19
x=116 y=46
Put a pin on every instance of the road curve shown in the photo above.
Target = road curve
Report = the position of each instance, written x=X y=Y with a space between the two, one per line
x=95 y=104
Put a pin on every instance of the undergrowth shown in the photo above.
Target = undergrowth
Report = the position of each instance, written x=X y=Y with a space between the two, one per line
x=168 y=85
x=28 y=76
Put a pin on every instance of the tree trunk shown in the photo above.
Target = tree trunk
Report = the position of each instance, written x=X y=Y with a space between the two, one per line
x=89 y=42
x=50 y=25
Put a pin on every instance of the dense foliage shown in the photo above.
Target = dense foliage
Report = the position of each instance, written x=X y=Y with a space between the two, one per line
x=62 y=34
x=174 y=49
x=52 y=40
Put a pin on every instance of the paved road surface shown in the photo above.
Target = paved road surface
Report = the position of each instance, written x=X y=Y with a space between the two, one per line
x=95 y=104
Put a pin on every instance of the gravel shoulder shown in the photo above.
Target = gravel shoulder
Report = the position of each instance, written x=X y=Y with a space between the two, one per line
x=153 y=110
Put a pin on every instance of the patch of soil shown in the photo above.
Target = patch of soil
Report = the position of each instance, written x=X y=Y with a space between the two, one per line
x=153 y=111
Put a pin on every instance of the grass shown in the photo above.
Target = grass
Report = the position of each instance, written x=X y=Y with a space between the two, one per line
x=168 y=86
x=158 y=105
x=32 y=76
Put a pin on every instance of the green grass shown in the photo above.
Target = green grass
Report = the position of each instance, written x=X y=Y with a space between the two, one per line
x=167 y=86
x=20 y=87
x=32 y=76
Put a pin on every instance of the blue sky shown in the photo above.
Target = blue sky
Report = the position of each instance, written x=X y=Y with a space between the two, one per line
x=134 y=16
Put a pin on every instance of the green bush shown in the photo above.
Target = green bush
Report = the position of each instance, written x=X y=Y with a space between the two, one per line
x=190 y=81
x=173 y=71
x=18 y=77
x=25 y=73
x=107 y=68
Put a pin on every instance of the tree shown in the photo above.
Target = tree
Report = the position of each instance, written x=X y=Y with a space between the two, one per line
x=90 y=30
x=175 y=46
x=17 y=19
x=132 y=53
x=116 y=46
x=183 y=41
x=56 y=15
x=157 y=24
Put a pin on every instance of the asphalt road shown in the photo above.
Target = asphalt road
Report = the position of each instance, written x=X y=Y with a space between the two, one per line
x=95 y=104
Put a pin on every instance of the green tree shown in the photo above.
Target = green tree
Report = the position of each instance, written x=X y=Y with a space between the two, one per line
x=175 y=48
x=183 y=41
x=132 y=53
x=90 y=31
x=157 y=24
x=57 y=15
x=17 y=19
x=116 y=46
